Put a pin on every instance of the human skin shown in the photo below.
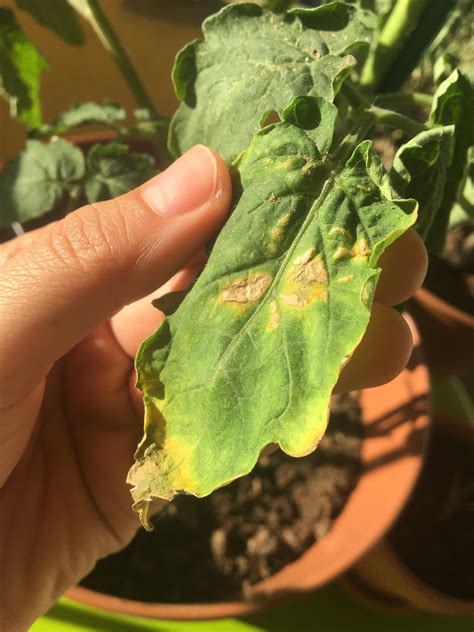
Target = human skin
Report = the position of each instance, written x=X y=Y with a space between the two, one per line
x=74 y=306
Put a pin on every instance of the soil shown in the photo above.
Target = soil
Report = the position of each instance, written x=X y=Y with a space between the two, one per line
x=215 y=548
x=452 y=277
x=435 y=534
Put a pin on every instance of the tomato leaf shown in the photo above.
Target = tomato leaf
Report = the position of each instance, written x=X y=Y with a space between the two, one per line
x=253 y=352
x=420 y=169
x=21 y=65
x=34 y=182
x=453 y=104
x=56 y=15
x=112 y=170
x=109 y=113
x=253 y=62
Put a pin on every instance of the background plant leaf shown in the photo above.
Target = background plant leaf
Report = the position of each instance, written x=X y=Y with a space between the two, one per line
x=57 y=16
x=36 y=181
x=463 y=208
x=90 y=113
x=253 y=62
x=278 y=6
x=419 y=171
x=21 y=65
x=112 y=170
x=453 y=104
x=252 y=354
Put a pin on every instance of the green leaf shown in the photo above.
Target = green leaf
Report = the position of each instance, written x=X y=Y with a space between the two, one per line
x=278 y=6
x=463 y=208
x=253 y=62
x=57 y=16
x=444 y=65
x=252 y=354
x=84 y=114
x=112 y=171
x=419 y=171
x=20 y=70
x=35 y=182
x=453 y=104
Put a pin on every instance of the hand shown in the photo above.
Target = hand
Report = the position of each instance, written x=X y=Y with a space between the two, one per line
x=69 y=421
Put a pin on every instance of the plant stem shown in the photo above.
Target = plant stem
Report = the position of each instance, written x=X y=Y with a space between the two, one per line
x=396 y=121
x=101 y=25
x=402 y=19
x=405 y=98
x=380 y=115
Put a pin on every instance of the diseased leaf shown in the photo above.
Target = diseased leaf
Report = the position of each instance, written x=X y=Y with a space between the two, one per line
x=57 y=16
x=419 y=171
x=252 y=354
x=315 y=115
x=253 y=62
x=35 y=182
x=169 y=303
x=85 y=114
x=20 y=70
x=112 y=171
x=453 y=104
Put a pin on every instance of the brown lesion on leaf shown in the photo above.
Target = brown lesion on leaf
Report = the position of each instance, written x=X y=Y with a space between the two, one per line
x=274 y=321
x=247 y=290
x=272 y=198
x=306 y=282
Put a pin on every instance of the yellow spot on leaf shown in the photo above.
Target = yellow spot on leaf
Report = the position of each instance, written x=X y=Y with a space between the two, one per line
x=247 y=290
x=361 y=248
x=274 y=321
x=278 y=232
x=345 y=279
x=338 y=230
x=343 y=253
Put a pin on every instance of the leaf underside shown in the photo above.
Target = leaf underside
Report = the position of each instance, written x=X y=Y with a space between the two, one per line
x=253 y=62
x=252 y=354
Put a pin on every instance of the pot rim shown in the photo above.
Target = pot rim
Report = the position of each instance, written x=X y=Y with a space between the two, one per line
x=396 y=423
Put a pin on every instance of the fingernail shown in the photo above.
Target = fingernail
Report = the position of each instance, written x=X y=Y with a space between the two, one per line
x=185 y=186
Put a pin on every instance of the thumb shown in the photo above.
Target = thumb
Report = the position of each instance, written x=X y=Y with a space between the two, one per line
x=83 y=269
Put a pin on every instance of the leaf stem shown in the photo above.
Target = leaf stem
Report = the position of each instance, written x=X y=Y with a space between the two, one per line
x=380 y=115
x=101 y=25
x=396 y=120
x=402 y=19
x=405 y=98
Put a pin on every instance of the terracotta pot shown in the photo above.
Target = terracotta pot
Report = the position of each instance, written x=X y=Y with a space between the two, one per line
x=447 y=333
x=396 y=426
x=383 y=581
